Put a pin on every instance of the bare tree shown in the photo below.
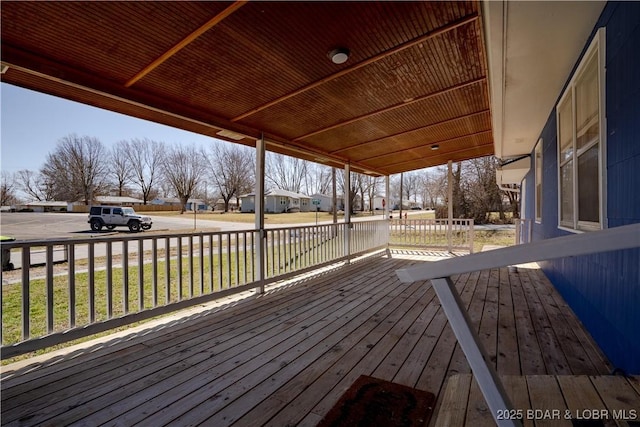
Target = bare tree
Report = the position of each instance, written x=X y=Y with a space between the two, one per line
x=77 y=168
x=7 y=189
x=351 y=192
x=434 y=187
x=145 y=159
x=371 y=184
x=183 y=167
x=411 y=186
x=284 y=172
x=514 y=199
x=232 y=168
x=34 y=185
x=121 y=170
x=317 y=179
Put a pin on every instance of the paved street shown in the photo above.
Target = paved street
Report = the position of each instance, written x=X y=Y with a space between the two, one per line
x=33 y=225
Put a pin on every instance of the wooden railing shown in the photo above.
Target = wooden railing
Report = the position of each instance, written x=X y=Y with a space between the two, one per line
x=456 y=234
x=524 y=230
x=114 y=281
x=440 y=273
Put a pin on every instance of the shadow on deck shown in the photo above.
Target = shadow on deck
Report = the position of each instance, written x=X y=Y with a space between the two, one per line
x=285 y=357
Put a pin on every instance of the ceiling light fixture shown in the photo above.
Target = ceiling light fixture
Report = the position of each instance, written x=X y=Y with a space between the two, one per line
x=339 y=55
x=435 y=147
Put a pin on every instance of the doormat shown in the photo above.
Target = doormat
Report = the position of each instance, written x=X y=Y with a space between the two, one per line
x=374 y=402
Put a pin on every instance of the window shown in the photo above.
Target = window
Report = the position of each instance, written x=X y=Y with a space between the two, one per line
x=538 y=165
x=581 y=139
x=106 y=211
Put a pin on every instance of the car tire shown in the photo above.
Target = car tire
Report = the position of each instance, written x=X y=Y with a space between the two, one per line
x=96 y=225
x=134 y=226
x=146 y=227
x=110 y=227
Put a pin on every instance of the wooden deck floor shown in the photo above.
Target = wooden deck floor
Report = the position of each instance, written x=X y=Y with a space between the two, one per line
x=285 y=357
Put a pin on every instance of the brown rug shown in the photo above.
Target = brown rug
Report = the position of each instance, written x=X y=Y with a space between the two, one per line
x=371 y=402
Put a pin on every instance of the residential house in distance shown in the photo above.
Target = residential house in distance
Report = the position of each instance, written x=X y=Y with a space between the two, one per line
x=277 y=201
x=326 y=202
x=175 y=202
x=379 y=202
x=46 y=206
x=118 y=201
x=234 y=204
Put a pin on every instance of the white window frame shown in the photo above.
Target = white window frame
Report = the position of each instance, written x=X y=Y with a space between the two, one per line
x=597 y=47
x=538 y=172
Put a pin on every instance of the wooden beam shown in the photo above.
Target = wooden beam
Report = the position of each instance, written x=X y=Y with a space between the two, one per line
x=186 y=41
x=426 y=145
x=393 y=107
x=443 y=155
x=366 y=62
x=373 y=141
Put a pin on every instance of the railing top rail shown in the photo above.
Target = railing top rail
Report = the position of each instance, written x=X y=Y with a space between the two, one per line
x=624 y=237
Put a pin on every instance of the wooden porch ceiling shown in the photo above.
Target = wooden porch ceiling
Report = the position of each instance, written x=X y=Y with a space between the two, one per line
x=416 y=75
x=284 y=358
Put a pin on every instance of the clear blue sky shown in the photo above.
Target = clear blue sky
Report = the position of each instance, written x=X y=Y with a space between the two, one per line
x=31 y=123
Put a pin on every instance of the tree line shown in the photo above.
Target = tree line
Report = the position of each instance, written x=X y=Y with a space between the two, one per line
x=80 y=168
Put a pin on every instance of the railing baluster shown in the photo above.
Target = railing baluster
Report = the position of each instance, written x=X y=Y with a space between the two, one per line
x=26 y=312
x=167 y=269
x=179 y=266
x=220 y=266
x=125 y=276
x=253 y=258
x=191 y=271
x=237 y=259
x=50 y=303
x=280 y=247
x=71 y=280
x=92 y=283
x=154 y=272
x=229 y=258
x=272 y=243
x=201 y=253
x=140 y=275
x=109 y=278
x=211 y=288
x=244 y=254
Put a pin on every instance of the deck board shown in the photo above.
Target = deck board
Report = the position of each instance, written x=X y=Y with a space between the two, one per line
x=285 y=357
x=546 y=400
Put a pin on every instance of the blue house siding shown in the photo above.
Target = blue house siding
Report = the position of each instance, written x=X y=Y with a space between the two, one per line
x=604 y=289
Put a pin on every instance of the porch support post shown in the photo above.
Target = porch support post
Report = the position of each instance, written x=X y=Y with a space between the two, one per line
x=449 y=205
x=480 y=363
x=259 y=212
x=401 y=191
x=347 y=211
x=387 y=202
x=335 y=195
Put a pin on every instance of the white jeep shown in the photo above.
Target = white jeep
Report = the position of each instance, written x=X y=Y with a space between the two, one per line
x=115 y=216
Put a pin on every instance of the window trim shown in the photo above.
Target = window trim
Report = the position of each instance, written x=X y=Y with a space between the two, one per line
x=538 y=172
x=597 y=48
